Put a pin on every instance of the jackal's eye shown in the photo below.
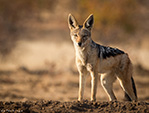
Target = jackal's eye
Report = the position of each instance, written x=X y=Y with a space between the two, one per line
x=75 y=35
x=84 y=37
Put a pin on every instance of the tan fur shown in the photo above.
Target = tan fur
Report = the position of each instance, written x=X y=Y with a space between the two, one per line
x=88 y=62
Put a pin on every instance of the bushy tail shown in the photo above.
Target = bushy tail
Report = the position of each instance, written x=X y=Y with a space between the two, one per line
x=126 y=97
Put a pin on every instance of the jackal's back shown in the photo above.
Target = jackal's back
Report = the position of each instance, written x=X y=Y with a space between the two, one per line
x=106 y=52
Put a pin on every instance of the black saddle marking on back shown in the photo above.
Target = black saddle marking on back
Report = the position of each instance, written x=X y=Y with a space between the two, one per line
x=106 y=52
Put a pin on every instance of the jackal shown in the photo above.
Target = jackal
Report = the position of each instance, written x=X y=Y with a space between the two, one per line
x=94 y=59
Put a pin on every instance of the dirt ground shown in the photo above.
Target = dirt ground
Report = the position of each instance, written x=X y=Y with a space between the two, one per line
x=75 y=106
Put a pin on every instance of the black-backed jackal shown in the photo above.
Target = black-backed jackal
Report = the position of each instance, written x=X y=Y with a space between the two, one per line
x=94 y=59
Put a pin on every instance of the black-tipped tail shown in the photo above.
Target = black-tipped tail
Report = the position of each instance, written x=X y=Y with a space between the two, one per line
x=126 y=97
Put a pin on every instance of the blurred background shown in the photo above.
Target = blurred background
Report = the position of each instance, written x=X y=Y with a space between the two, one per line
x=37 y=59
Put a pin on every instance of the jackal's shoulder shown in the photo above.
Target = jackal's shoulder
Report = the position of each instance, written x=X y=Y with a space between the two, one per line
x=106 y=51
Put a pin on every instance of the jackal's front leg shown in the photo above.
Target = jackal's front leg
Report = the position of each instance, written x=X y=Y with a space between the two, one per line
x=94 y=82
x=81 y=86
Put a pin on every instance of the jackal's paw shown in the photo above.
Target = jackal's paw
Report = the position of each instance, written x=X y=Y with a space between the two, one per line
x=93 y=100
x=80 y=99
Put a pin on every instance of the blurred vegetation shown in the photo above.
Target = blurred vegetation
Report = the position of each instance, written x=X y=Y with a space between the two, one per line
x=12 y=12
x=110 y=13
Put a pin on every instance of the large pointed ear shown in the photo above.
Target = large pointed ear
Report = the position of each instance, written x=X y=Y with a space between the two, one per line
x=89 y=22
x=72 y=23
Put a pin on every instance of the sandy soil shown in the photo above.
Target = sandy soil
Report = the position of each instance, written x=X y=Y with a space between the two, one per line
x=23 y=84
x=46 y=91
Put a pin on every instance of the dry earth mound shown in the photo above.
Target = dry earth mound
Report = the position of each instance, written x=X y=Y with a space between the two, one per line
x=75 y=106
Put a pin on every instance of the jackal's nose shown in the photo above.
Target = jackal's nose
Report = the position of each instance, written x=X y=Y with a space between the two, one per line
x=80 y=44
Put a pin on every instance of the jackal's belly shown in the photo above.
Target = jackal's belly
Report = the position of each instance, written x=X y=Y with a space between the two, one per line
x=109 y=64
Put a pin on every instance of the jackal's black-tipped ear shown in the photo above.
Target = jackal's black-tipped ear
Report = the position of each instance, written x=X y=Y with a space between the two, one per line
x=72 y=22
x=89 y=22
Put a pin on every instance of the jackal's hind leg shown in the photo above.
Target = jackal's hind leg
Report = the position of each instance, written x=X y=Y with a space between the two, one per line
x=127 y=87
x=107 y=83
x=126 y=96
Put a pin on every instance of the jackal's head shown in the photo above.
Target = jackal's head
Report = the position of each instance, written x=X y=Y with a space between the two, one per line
x=80 y=34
